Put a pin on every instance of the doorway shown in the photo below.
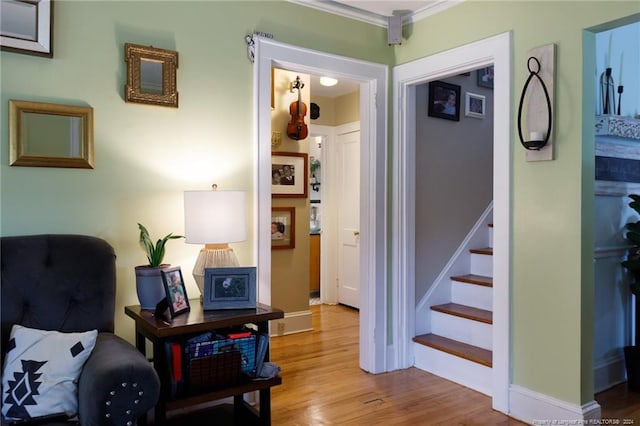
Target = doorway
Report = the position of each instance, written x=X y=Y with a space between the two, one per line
x=373 y=220
x=497 y=51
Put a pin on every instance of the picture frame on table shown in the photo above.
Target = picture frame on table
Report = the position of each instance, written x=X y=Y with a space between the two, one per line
x=474 y=105
x=27 y=27
x=229 y=288
x=289 y=175
x=283 y=228
x=444 y=100
x=485 y=77
x=175 y=291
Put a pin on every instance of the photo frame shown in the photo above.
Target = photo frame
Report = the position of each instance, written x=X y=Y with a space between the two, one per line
x=229 y=288
x=151 y=75
x=444 y=100
x=175 y=290
x=485 y=77
x=474 y=105
x=27 y=27
x=283 y=227
x=289 y=175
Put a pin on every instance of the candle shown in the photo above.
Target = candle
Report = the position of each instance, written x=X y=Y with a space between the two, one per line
x=535 y=136
x=620 y=77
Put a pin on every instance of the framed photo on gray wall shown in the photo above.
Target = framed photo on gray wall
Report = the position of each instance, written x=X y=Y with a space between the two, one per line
x=444 y=100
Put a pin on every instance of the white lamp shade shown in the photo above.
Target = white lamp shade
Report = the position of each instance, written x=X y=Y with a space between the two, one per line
x=215 y=217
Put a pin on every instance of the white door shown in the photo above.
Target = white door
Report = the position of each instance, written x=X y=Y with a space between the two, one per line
x=348 y=145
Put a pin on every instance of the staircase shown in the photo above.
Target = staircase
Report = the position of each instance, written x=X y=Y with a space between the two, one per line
x=459 y=343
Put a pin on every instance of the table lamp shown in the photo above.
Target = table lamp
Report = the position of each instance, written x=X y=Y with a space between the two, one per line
x=215 y=219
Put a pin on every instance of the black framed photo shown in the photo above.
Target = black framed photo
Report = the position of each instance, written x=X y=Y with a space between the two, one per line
x=485 y=77
x=175 y=291
x=229 y=288
x=444 y=100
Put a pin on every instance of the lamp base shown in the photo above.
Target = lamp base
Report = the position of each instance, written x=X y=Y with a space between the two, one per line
x=213 y=256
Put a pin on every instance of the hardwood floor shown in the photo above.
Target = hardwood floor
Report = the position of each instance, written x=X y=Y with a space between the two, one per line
x=323 y=384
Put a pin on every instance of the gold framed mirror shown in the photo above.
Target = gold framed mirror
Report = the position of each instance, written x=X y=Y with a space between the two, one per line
x=50 y=135
x=151 y=75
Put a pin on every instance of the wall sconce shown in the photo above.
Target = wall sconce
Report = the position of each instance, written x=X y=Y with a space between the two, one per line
x=536 y=103
x=215 y=219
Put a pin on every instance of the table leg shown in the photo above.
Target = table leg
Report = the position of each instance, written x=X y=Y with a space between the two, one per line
x=265 y=407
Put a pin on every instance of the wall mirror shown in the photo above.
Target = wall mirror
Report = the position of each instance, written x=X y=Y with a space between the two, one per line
x=151 y=75
x=26 y=26
x=50 y=135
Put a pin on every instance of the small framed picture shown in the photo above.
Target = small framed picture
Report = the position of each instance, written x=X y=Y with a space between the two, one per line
x=474 y=105
x=485 y=77
x=283 y=228
x=229 y=288
x=176 y=291
x=289 y=175
x=27 y=27
x=444 y=100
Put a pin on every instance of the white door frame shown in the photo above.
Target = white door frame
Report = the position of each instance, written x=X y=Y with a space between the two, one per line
x=373 y=80
x=497 y=51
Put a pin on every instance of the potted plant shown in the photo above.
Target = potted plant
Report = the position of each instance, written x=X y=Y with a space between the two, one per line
x=149 y=277
x=632 y=264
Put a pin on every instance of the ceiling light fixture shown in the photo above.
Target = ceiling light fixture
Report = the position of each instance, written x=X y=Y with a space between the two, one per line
x=328 y=81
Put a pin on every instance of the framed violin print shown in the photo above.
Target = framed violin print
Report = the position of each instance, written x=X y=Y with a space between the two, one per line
x=289 y=175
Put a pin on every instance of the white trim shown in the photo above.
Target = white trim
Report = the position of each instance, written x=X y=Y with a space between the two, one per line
x=609 y=372
x=536 y=408
x=497 y=51
x=373 y=80
x=292 y=323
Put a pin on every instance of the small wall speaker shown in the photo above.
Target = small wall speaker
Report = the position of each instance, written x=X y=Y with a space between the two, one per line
x=394 y=30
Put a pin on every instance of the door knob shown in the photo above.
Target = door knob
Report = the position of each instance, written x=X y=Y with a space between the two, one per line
x=356 y=233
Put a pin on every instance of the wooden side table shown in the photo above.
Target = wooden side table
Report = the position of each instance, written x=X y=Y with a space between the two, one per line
x=198 y=321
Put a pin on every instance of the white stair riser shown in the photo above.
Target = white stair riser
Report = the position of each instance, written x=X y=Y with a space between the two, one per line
x=462 y=330
x=482 y=264
x=470 y=374
x=476 y=296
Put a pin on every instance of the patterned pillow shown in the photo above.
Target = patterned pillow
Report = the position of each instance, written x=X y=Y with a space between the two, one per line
x=40 y=375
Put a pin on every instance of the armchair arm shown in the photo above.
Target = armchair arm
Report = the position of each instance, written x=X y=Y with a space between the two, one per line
x=117 y=384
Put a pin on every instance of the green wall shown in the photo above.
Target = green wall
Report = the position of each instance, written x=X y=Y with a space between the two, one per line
x=146 y=156
x=552 y=202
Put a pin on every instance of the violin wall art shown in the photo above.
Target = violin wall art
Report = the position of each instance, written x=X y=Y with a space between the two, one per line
x=297 y=128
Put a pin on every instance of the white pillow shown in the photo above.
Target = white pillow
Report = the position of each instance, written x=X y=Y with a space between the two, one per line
x=41 y=370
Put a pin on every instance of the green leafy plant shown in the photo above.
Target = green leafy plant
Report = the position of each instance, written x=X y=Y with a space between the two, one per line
x=155 y=252
x=633 y=235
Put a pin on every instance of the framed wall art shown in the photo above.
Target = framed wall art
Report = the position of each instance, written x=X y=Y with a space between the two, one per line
x=289 y=175
x=175 y=291
x=485 y=77
x=27 y=27
x=229 y=288
x=444 y=100
x=283 y=227
x=474 y=105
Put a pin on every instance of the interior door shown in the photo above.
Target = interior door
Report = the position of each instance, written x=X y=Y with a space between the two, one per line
x=348 y=145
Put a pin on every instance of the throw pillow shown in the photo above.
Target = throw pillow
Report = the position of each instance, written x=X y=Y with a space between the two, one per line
x=40 y=375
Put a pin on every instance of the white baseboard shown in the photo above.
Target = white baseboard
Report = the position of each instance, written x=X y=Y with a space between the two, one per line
x=538 y=409
x=608 y=372
x=293 y=322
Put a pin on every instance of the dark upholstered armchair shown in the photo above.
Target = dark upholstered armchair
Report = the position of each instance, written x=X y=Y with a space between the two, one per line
x=68 y=283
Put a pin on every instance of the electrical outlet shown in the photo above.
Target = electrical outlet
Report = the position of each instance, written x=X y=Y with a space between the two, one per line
x=280 y=328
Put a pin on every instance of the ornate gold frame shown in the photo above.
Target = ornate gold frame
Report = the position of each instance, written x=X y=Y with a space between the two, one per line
x=134 y=54
x=17 y=154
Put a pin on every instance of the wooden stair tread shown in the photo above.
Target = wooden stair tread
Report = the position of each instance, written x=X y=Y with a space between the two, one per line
x=468 y=312
x=474 y=279
x=453 y=347
x=485 y=250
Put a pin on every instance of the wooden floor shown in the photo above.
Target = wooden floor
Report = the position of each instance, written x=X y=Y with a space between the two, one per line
x=323 y=385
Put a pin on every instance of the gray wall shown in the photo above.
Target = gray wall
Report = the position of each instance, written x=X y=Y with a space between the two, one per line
x=454 y=178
